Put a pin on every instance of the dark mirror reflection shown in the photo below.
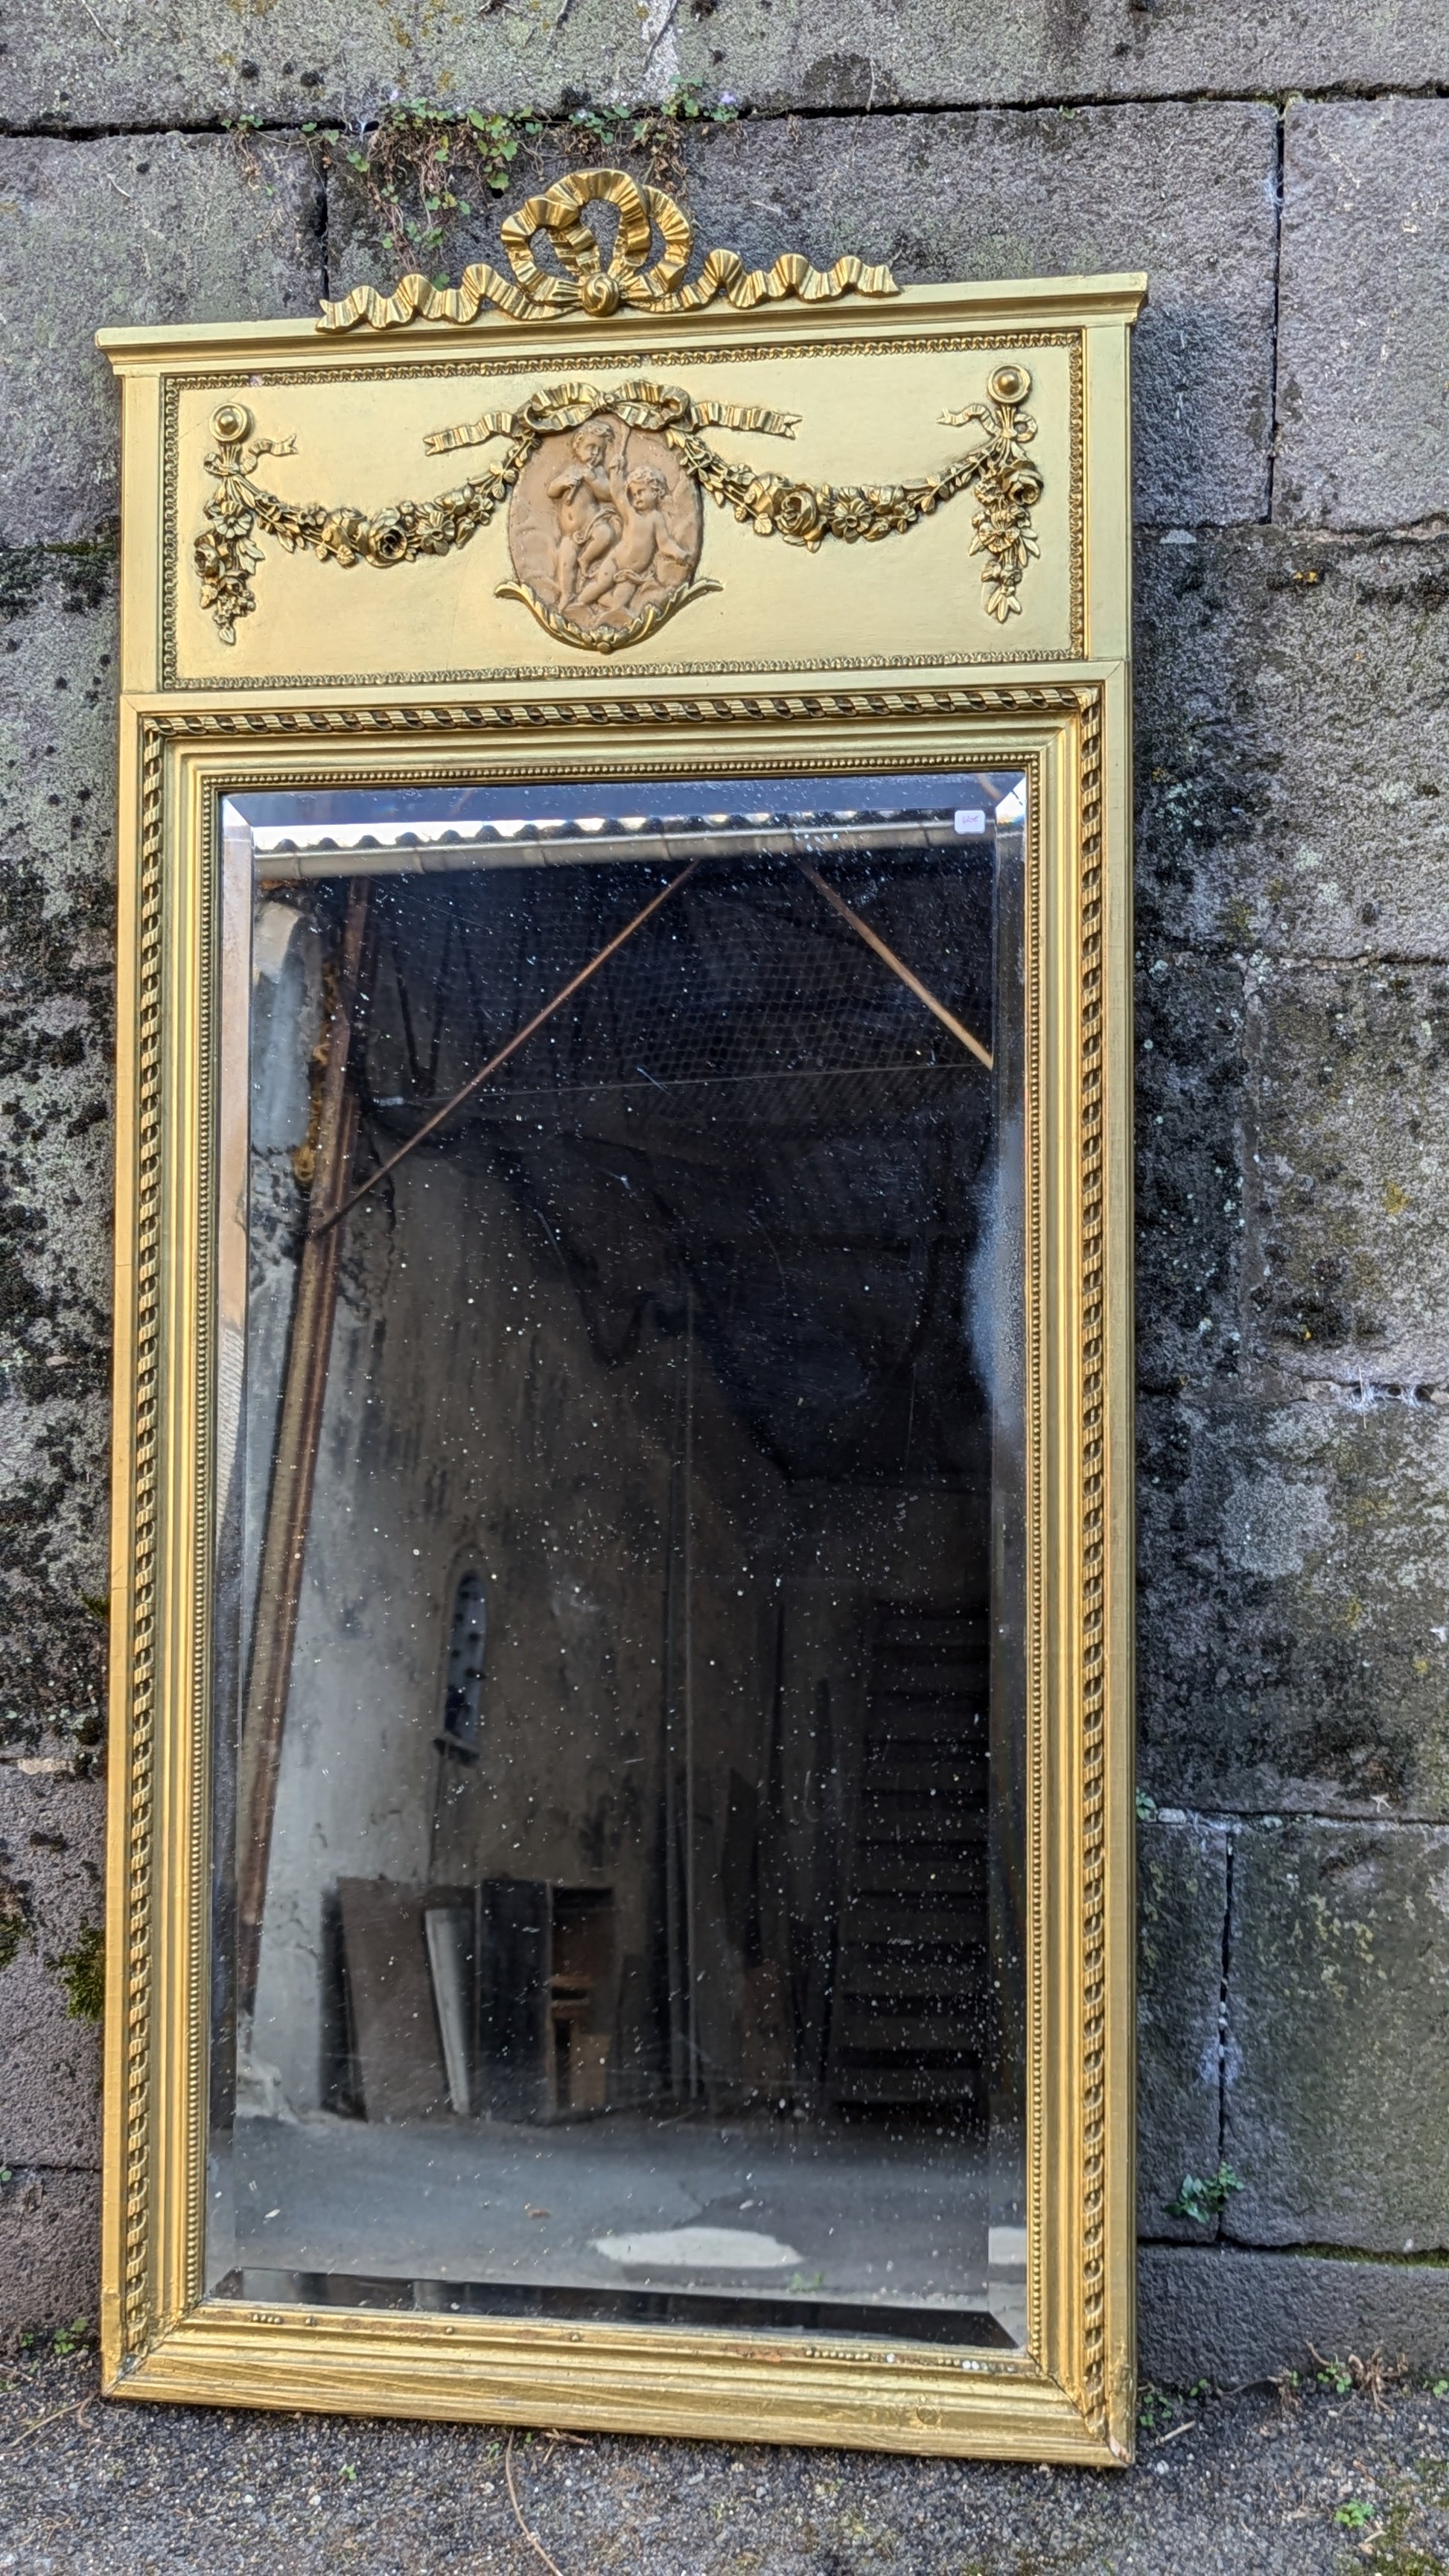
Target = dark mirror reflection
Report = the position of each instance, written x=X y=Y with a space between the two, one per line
x=618 y=1678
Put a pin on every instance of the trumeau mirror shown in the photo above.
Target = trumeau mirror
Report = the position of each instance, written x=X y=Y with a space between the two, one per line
x=621 y=1800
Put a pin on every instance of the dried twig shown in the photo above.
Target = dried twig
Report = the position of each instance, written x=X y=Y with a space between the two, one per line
x=102 y=31
x=531 y=2537
x=42 y=2420
x=553 y=2439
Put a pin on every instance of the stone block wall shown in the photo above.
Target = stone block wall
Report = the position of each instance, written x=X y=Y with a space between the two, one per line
x=1283 y=176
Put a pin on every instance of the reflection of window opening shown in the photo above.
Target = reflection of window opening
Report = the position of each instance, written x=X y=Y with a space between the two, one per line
x=463 y=1694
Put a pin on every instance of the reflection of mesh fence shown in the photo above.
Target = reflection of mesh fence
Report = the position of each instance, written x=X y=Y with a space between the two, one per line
x=755 y=978
x=712 y=1112
x=743 y=986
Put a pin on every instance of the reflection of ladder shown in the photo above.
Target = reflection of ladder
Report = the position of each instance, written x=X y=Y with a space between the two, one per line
x=909 y=2016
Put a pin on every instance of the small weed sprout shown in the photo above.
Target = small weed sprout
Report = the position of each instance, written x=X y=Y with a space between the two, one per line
x=1155 y=2407
x=244 y=129
x=417 y=164
x=419 y=167
x=656 y=131
x=1389 y=2549
x=1372 y=2378
x=1204 y=2198
x=1157 y=2410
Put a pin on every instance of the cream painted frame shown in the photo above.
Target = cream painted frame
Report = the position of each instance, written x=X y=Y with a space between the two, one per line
x=1070 y=2394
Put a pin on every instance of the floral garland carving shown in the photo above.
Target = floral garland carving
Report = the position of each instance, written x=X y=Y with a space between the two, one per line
x=226 y=552
x=1006 y=483
x=586 y=282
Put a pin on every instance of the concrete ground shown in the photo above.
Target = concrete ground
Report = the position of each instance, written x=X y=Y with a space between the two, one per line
x=1236 y=2486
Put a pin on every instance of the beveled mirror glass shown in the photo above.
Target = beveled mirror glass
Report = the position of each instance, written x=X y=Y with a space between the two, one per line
x=619 y=1696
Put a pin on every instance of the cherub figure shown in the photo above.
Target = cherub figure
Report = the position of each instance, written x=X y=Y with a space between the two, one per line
x=647 y=562
x=588 y=512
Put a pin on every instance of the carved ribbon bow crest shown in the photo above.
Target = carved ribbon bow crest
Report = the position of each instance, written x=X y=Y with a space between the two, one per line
x=588 y=282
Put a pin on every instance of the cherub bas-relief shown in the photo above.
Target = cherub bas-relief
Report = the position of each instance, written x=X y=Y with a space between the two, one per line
x=646 y=562
x=584 y=505
x=608 y=534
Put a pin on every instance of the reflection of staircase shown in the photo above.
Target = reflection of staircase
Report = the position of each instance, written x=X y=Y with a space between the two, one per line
x=909 y=2016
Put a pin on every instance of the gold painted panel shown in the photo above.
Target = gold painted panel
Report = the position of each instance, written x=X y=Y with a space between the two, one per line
x=862 y=419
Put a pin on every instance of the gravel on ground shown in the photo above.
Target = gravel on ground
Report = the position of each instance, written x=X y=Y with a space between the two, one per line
x=1318 y=2481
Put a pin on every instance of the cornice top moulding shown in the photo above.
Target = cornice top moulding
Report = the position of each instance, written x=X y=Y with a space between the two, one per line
x=1046 y=303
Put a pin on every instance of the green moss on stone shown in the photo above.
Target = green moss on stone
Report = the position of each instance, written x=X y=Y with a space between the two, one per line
x=14 y=1923
x=85 y=565
x=83 y=1974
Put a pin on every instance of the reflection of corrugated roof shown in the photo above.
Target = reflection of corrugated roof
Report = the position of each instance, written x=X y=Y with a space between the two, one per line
x=283 y=857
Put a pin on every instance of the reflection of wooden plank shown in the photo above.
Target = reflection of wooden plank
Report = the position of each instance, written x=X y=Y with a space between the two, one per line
x=449 y=1933
x=513 y=2021
x=588 y=2071
x=399 y=2055
x=299 y=1430
x=546 y=1998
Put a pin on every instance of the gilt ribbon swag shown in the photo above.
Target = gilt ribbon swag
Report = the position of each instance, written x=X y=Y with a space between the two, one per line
x=1006 y=483
x=585 y=281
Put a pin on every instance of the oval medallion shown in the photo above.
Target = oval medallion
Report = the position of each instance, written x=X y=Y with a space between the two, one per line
x=604 y=530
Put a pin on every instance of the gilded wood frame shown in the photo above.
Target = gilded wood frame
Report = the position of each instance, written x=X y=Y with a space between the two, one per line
x=1069 y=2394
